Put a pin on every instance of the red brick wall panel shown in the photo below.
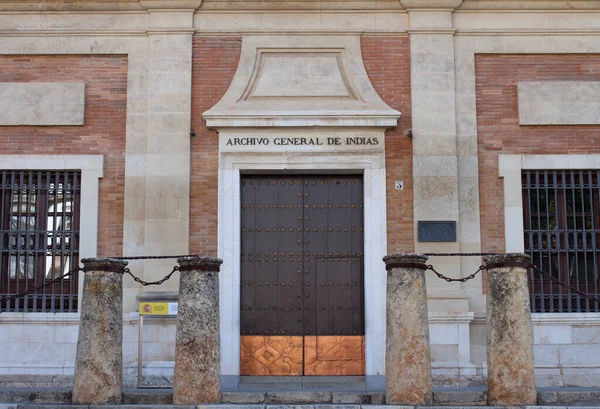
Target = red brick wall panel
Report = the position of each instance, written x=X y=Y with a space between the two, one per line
x=103 y=133
x=387 y=60
x=498 y=127
x=215 y=61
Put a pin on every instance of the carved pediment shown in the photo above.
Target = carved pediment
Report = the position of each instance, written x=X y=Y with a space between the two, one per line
x=301 y=81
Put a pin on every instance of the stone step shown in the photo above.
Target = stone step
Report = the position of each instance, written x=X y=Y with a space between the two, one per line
x=231 y=406
x=449 y=397
x=299 y=383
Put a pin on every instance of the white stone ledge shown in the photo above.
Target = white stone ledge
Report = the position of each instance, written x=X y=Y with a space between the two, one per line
x=42 y=103
x=559 y=102
x=48 y=318
x=573 y=318
x=449 y=317
x=258 y=120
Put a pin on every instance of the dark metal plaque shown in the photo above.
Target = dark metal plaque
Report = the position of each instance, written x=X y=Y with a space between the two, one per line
x=436 y=231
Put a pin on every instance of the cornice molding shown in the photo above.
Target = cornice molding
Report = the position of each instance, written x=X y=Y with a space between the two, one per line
x=48 y=6
x=529 y=5
x=430 y=4
x=170 y=4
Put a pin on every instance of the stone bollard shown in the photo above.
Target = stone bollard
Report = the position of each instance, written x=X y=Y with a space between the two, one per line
x=99 y=360
x=407 y=355
x=197 y=378
x=511 y=372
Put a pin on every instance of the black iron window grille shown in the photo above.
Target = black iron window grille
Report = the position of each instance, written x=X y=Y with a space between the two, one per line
x=39 y=239
x=561 y=212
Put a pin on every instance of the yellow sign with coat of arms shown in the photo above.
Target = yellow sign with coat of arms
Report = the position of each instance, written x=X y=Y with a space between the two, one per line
x=158 y=308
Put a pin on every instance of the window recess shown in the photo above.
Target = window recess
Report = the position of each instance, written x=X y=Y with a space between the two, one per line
x=561 y=211
x=39 y=238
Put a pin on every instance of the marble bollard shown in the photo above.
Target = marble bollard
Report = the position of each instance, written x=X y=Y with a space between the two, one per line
x=99 y=360
x=407 y=354
x=511 y=372
x=197 y=378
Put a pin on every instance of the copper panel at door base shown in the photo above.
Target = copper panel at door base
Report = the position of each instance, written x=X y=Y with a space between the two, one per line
x=261 y=356
x=334 y=355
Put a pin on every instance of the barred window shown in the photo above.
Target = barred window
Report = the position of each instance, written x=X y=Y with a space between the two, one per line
x=561 y=211
x=39 y=239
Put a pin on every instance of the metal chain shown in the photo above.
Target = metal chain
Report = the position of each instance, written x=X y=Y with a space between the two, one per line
x=564 y=285
x=462 y=280
x=482 y=267
x=30 y=291
x=460 y=254
x=4 y=299
x=146 y=283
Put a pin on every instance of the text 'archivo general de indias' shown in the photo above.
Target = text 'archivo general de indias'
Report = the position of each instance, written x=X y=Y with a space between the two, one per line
x=302 y=141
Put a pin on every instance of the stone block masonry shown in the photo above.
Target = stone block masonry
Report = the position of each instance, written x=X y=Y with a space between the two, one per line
x=42 y=103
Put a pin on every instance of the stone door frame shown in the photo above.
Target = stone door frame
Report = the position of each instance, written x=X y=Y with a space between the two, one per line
x=372 y=166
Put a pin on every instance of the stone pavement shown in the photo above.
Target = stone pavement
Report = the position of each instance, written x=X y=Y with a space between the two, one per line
x=55 y=398
x=255 y=406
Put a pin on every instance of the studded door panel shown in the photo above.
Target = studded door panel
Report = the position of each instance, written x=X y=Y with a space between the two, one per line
x=301 y=273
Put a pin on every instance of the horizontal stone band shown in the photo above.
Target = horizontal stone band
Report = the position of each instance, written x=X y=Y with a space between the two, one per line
x=400 y=264
x=201 y=267
x=108 y=265
x=504 y=264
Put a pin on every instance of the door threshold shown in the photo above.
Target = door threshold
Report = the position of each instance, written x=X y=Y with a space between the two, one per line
x=303 y=379
x=305 y=384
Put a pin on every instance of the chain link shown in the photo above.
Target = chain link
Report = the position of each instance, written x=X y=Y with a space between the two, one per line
x=146 y=283
x=450 y=280
x=4 y=299
x=564 y=285
x=460 y=254
x=31 y=291
x=570 y=288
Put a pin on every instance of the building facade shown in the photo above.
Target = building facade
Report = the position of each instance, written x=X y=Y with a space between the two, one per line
x=300 y=141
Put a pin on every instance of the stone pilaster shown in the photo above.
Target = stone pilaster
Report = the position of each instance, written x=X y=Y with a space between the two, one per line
x=435 y=160
x=408 y=358
x=99 y=360
x=165 y=164
x=197 y=344
x=511 y=371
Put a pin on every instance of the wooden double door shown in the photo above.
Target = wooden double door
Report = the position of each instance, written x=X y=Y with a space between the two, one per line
x=302 y=275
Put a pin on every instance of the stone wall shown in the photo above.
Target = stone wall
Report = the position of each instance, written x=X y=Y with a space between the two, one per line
x=137 y=64
x=567 y=349
x=54 y=355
